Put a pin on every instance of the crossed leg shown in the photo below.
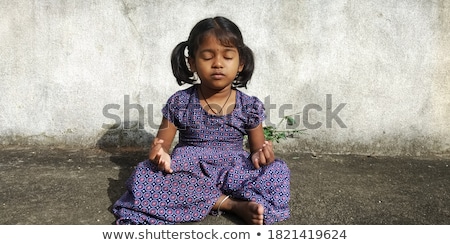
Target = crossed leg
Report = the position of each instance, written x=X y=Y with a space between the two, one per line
x=251 y=212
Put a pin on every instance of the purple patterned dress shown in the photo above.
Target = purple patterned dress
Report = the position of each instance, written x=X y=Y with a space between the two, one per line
x=208 y=160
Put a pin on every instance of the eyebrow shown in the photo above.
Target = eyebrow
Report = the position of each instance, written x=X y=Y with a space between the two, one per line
x=213 y=51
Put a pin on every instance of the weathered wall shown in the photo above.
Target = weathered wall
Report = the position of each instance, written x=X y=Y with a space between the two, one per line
x=378 y=70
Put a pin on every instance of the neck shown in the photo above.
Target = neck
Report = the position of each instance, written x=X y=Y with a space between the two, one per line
x=213 y=94
x=216 y=101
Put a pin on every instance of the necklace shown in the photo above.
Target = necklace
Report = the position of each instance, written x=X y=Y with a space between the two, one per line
x=201 y=92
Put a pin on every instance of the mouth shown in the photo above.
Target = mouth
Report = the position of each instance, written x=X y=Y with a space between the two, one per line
x=217 y=75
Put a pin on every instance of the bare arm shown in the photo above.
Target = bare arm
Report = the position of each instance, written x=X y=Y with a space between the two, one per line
x=159 y=151
x=261 y=150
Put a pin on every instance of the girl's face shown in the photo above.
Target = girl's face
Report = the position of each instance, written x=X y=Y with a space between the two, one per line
x=215 y=64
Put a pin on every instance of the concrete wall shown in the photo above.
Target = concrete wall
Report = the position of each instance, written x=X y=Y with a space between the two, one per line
x=376 y=71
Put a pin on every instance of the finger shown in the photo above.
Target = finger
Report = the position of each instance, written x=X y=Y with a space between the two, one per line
x=268 y=153
x=272 y=153
x=155 y=151
x=157 y=160
x=157 y=141
x=262 y=158
x=168 y=169
x=164 y=166
x=161 y=164
x=255 y=162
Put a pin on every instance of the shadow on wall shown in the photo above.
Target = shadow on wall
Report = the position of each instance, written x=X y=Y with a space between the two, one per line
x=127 y=147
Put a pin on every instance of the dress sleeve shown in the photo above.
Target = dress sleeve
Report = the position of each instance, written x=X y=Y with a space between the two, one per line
x=170 y=109
x=177 y=107
x=255 y=112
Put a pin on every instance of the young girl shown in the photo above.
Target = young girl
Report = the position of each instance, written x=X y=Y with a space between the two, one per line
x=208 y=171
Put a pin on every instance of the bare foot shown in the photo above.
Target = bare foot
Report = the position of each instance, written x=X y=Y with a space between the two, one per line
x=251 y=212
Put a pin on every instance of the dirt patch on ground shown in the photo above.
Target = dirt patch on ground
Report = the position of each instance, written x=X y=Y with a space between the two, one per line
x=44 y=185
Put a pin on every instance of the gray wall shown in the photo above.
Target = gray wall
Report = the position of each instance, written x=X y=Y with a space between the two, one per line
x=378 y=70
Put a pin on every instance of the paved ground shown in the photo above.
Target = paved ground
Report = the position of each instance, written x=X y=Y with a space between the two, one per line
x=77 y=186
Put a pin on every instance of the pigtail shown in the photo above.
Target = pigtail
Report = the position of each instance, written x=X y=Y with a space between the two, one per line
x=180 y=68
x=247 y=57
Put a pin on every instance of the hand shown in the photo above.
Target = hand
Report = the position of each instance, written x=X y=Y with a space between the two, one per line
x=159 y=157
x=263 y=156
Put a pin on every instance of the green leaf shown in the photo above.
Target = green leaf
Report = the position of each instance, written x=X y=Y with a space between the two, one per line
x=290 y=120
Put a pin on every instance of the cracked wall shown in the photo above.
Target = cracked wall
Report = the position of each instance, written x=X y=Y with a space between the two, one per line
x=73 y=72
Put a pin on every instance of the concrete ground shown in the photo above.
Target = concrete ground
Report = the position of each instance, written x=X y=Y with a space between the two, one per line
x=43 y=185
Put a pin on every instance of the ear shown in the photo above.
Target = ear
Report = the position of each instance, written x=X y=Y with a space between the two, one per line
x=241 y=67
x=192 y=64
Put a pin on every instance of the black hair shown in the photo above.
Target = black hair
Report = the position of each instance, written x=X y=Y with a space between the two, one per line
x=228 y=34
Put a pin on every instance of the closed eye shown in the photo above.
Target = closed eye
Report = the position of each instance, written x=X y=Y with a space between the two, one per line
x=229 y=54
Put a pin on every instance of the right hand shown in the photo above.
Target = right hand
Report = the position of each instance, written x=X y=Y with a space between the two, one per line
x=263 y=156
x=160 y=157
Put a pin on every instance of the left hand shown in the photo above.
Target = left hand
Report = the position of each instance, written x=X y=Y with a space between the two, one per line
x=263 y=156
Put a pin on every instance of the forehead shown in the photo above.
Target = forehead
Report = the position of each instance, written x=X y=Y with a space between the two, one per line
x=212 y=43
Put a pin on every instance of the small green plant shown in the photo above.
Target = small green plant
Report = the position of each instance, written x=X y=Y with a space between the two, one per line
x=272 y=133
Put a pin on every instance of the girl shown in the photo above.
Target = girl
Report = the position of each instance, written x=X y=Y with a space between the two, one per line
x=208 y=171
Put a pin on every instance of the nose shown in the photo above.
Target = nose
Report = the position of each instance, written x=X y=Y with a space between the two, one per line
x=218 y=62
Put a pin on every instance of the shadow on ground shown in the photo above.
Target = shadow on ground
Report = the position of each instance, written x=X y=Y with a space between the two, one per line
x=126 y=147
